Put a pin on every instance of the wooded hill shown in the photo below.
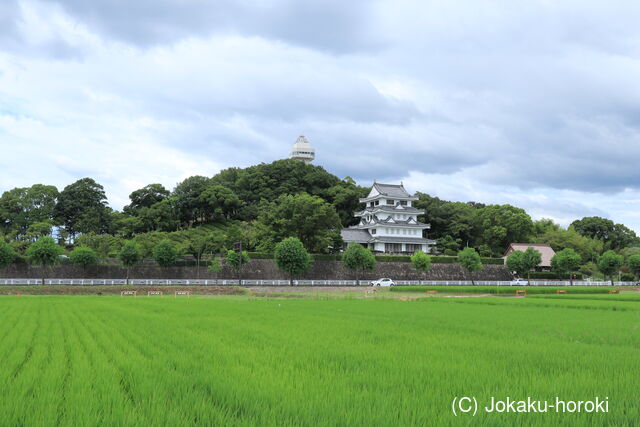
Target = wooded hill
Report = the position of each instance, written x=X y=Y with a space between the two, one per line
x=261 y=205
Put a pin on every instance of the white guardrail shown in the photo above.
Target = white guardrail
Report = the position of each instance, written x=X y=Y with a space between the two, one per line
x=234 y=282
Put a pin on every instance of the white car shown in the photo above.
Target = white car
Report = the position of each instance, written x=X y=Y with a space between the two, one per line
x=519 y=282
x=383 y=282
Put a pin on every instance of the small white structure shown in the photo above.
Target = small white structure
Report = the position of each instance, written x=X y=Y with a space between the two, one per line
x=302 y=150
x=389 y=222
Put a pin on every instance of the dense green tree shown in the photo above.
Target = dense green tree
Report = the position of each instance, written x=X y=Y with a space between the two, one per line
x=83 y=256
x=165 y=253
x=421 y=262
x=470 y=260
x=105 y=245
x=615 y=236
x=38 y=230
x=502 y=225
x=82 y=208
x=544 y=225
x=190 y=208
x=23 y=207
x=345 y=198
x=524 y=261
x=270 y=181
x=129 y=256
x=7 y=254
x=566 y=261
x=292 y=257
x=609 y=264
x=452 y=221
x=633 y=262
x=219 y=202
x=45 y=253
x=530 y=260
x=309 y=218
x=161 y=216
x=588 y=269
x=237 y=260
x=358 y=258
x=515 y=262
x=146 y=197
x=587 y=247
x=448 y=243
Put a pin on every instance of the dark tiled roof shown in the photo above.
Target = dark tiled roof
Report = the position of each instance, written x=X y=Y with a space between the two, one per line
x=387 y=208
x=391 y=190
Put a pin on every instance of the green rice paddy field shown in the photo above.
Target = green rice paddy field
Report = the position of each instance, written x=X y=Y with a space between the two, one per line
x=237 y=360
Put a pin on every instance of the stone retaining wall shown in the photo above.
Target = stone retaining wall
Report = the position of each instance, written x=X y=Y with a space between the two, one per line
x=258 y=269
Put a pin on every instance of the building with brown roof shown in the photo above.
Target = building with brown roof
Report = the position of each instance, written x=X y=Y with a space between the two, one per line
x=546 y=253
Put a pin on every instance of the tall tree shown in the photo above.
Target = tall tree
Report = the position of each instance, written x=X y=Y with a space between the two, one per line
x=292 y=257
x=609 y=264
x=503 y=225
x=237 y=260
x=358 y=258
x=531 y=258
x=309 y=218
x=190 y=207
x=82 y=208
x=470 y=260
x=22 y=207
x=615 y=236
x=566 y=261
x=219 y=202
x=146 y=197
x=45 y=253
x=129 y=256
x=515 y=262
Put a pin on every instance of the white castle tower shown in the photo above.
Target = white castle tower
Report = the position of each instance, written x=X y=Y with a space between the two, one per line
x=302 y=150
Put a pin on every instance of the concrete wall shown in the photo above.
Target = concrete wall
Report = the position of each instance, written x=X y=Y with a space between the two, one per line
x=259 y=269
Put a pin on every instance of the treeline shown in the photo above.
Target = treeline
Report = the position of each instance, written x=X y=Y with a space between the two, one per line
x=264 y=204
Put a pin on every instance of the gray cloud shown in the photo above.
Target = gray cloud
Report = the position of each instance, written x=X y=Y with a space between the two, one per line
x=332 y=25
x=522 y=99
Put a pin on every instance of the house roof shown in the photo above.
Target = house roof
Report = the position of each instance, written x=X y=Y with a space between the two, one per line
x=355 y=235
x=391 y=190
x=546 y=251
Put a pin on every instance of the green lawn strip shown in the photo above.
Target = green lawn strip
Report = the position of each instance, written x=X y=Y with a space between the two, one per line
x=505 y=290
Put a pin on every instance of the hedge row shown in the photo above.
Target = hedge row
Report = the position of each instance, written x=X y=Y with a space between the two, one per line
x=550 y=275
x=385 y=258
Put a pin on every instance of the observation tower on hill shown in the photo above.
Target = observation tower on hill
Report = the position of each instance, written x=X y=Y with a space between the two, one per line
x=302 y=150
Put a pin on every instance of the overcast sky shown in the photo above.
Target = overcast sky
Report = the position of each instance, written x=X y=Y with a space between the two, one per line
x=532 y=103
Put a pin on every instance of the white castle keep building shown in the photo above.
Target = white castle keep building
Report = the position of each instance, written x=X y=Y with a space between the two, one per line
x=389 y=222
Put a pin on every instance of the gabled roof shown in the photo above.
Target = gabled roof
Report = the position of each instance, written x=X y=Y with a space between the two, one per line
x=546 y=251
x=392 y=190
